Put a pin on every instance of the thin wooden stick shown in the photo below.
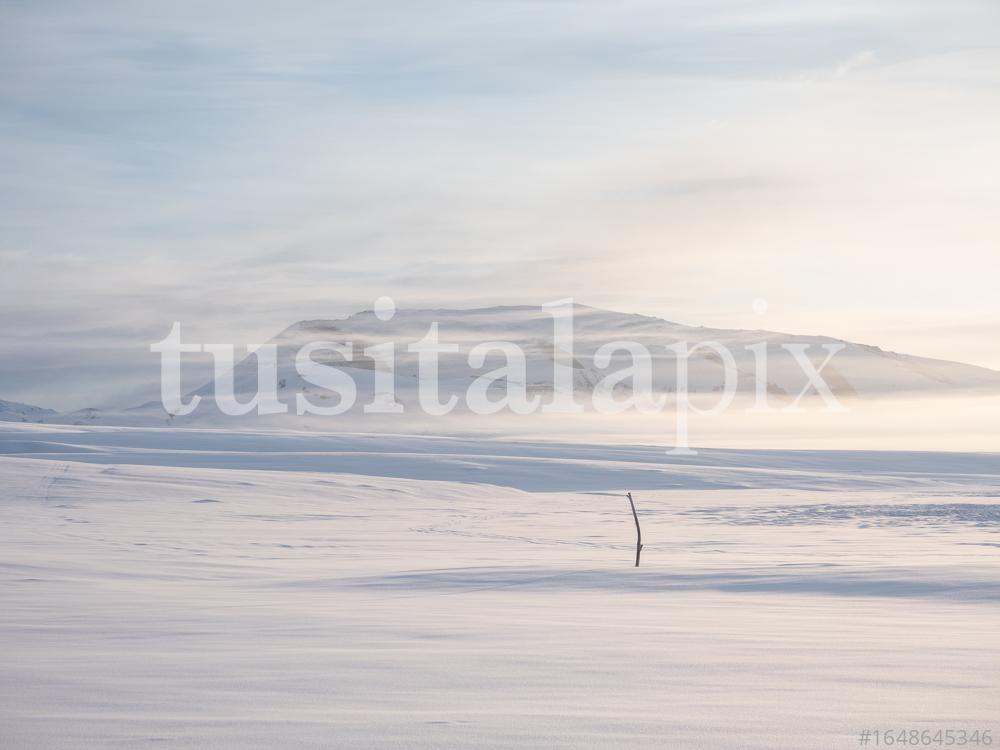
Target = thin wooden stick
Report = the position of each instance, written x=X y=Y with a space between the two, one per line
x=638 y=531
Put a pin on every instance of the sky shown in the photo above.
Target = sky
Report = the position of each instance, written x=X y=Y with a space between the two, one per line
x=801 y=166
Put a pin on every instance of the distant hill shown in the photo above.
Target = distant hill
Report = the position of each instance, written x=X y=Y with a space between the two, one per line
x=858 y=371
x=12 y=411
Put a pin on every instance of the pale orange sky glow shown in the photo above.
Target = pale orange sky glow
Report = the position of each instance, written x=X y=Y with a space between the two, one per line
x=838 y=161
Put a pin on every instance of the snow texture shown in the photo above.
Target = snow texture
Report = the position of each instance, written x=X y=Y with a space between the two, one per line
x=187 y=588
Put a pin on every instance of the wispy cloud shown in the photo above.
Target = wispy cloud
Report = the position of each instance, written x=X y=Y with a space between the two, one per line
x=240 y=166
x=857 y=61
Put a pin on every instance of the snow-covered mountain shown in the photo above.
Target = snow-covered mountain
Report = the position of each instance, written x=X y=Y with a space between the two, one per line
x=856 y=371
x=12 y=411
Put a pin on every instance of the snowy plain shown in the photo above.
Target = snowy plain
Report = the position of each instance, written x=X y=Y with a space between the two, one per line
x=203 y=588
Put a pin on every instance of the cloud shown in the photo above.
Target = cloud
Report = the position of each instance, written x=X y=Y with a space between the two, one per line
x=259 y=166
x=858 y=61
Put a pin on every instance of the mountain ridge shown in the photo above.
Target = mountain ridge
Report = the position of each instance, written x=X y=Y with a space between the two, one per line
x=859 y=370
